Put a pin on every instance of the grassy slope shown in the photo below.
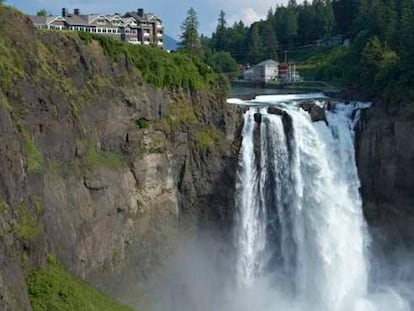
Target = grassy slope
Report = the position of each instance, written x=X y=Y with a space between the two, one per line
x=54 y=289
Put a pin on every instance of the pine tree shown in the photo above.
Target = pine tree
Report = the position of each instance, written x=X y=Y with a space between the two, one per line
x=219 y=37
x=270 y=41
x=255 y=45
x=42 y=12
x=323 y=18
x=190 y=39
x=407 y=31
x=236 y=40
x=306 y=23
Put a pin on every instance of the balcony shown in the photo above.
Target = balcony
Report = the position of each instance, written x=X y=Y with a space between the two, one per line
x=160 y=34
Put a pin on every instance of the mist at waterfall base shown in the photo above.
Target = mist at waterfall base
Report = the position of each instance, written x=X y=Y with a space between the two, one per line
x=300 y=241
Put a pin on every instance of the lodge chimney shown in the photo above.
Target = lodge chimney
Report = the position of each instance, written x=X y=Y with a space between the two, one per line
x=76 y=12
x=141 y=12
x=64 y=12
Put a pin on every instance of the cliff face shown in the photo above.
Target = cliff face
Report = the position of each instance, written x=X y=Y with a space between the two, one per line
x=99 y=168
x=385 y=155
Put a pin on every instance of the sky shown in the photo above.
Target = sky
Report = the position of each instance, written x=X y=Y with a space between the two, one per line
x=172 y=12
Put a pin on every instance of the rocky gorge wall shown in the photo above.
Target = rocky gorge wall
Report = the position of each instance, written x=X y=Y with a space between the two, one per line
x=98 y=167
x=385 y=153
x=385 y=157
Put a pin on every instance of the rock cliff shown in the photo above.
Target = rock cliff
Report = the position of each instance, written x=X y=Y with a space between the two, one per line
x=385 y=156
x=98 y=167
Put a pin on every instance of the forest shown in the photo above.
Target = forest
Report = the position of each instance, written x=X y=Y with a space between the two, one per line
x=371 y=41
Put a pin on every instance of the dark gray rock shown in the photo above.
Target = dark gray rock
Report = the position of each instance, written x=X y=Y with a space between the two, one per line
x=385 y=157
x=258 y=117
x=275 y=110
x=316 y=113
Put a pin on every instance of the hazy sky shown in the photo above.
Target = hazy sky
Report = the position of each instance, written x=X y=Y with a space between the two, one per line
x=172 y=12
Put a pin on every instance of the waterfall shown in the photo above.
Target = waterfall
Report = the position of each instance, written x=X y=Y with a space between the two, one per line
x=299 y=209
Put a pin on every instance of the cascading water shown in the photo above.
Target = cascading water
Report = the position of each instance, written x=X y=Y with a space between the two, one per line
x=299 y=210
x=252 y=218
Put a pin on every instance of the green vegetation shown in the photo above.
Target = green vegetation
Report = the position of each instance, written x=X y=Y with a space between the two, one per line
x=11 y=68
x=27 y=227
x=54 y=289
x=95 y=159
x=158 y=68
x=208 y=138
x=377 y=60
x=222 y=62
x=32 y=154
x=6 y=104
x=180 y=114
x=34 y=159
x=3 y=206
x=41 y=12
x=190 y=39
x=142 y=123
x=289 y=27
x=330 y=64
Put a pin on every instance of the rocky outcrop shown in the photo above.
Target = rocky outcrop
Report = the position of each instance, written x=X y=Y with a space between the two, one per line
x=100 y=169
x=385 y=155
x=275 y=110
x=316 y=112
x=258 y=117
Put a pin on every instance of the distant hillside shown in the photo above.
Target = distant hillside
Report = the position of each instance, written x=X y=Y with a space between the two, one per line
x=170 y=43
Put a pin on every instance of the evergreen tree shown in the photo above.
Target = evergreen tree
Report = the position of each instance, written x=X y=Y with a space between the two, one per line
x=406 y=44
x=306 y=24
x=190 y=39
x=237 y=38
x=219 y=37
x=345 y=12
x=270 y=41
x=42 y=12
x=324 y=18
x=255 y=45
x=286 y=23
